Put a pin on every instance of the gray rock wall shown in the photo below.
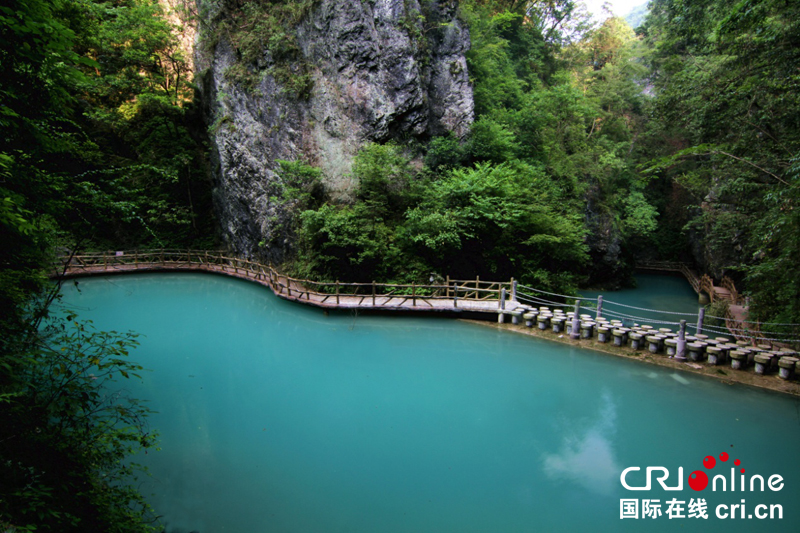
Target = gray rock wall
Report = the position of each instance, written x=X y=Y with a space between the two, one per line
x=381 y=69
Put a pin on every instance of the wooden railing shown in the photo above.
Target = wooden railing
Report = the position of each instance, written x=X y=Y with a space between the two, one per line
x=674 y=266
x=700 y=284
x=727 y=283
x=707 y=286
x=317 y=292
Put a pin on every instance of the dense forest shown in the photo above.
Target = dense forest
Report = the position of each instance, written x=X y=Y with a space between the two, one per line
x=594 y=145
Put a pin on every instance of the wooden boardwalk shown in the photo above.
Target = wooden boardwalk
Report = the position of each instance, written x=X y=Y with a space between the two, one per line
x=466 y=298
x=726 y=290
x=736 y=314
x=481 y=299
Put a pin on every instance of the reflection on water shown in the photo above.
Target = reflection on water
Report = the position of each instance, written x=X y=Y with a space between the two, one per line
x=276 y=418
x=586 y=457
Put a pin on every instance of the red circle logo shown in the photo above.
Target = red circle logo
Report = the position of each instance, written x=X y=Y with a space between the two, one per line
x=698 y=480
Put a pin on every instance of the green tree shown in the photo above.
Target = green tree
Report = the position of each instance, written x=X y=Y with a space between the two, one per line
x=68 y=433
x=499 y=221
x=384 y=179
x=727 y=104
x=95 y=148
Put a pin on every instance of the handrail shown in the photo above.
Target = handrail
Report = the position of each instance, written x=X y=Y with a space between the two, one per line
x=480 y=293
x=700 y=284
x=727 y=283
x=281 y=284
x=707 y=286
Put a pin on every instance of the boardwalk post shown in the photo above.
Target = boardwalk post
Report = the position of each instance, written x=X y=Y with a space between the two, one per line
x=413 y=293
x=373 y=293
x=599 y=307
x=455 y=294
x=680 y=349
x=576 y=321
x=502 y=299
x=701 y=314
x=513 y=290
x=337 y=292
x=447 y=294
x=136 y=259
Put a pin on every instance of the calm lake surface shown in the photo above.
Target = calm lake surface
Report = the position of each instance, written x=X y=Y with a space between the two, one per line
x=276 y=418
x=653 y=294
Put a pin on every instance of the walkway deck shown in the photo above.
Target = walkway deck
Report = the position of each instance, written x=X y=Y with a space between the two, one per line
x=726 y=291
x=454 y=296
x=701 y=284
x=465 y=298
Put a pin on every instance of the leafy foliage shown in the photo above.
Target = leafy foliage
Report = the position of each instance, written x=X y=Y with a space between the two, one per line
x=558 y=108
x=497 y=219
x=98 y=148
x=69 y=430
x=727 y=101
x=253 y=28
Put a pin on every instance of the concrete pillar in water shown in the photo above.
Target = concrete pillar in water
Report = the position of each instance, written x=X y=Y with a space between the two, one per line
x=763 y=361
x=671 y=346
x=653 y=343
x=724 y=350
x=786 y=367
x=575 y=333
x=503 y=299
x=700 y=316
x=530 y=318
x=680 y=350
x=636 y=340
x=603 y=333
x=696 y=351
x=716 y=355
x=738 y=360
x=557 y=323
x=543 y=321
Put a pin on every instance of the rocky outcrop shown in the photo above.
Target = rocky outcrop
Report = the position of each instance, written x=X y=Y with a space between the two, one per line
x=381 y=69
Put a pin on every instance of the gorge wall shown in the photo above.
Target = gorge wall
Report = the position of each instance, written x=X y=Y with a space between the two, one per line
x=377 y=70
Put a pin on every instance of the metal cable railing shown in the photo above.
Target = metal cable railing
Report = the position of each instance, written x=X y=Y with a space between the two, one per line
x=757 y=332
x=473 y=290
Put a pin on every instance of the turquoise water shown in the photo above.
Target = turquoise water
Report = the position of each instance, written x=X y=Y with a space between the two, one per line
x=276 y=418
x=653 y=292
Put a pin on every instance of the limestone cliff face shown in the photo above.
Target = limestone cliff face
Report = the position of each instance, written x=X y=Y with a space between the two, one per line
x=381 y=69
